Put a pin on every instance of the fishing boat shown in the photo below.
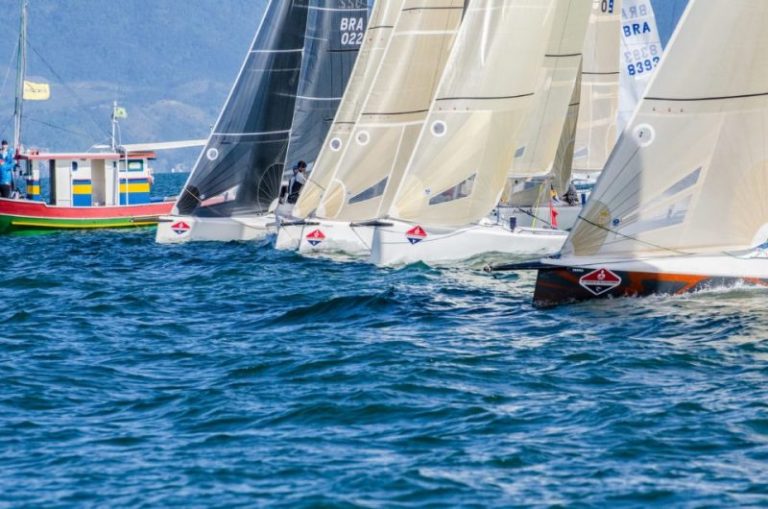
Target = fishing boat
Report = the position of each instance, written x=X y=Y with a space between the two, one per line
x=278 y=111
x=680 y=206
x=109 y=189
x=488 y=101
x=384 y=134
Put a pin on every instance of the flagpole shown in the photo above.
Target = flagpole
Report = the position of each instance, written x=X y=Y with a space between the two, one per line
x=21 y=72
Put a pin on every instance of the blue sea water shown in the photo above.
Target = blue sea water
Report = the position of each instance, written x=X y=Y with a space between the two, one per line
x=233 y=375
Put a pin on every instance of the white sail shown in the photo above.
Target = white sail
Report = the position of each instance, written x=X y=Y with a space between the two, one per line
x=640 y=55
x=690 y=173
x=388 y=126
x=490 y=87
x=377 y=37
x=596 y=130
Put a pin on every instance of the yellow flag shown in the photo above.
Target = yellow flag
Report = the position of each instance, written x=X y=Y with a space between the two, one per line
x=36 y=91
x=121 y=112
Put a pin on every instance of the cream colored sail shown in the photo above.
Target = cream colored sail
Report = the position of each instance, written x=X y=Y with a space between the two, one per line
x=690 y=173
x=526 y=192
x=468 y=143
x=394 y=111
x=596 y=131
x=540 y=137
x=377 y=36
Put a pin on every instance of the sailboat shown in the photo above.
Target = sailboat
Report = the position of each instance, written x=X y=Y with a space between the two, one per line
x=88 y=190
x=459 y=168
x=680 y=206
x=387 y=126
x=279 y=108
x=293 y=227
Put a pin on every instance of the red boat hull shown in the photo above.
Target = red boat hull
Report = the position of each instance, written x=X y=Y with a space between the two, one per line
x=26 y=215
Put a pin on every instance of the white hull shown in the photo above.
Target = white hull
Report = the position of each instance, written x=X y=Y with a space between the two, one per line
x=392 y=245
x=289 y=236
x=180 y=229
x=744 y=266
x=324 y=237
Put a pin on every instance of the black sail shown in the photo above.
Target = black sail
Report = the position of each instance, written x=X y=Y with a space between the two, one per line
x=241 y=167
x=335 y=31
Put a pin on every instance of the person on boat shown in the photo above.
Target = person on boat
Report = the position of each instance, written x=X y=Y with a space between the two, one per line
x=297 y=181
x=571 y=196
x=6 y=170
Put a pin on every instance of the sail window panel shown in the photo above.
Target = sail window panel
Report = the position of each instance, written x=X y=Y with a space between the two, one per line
x=377 y=36
x=374 y=191
x=461 y=190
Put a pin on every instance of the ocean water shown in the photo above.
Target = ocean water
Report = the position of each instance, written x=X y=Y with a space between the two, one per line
x=233 y=375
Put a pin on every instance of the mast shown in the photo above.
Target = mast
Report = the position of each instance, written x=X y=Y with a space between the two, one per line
x=21 y=71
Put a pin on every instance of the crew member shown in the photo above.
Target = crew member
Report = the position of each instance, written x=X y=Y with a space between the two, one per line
x=297 y=181
x=6 y=170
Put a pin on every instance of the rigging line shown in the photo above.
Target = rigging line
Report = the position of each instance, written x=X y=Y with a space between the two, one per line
x=8 y=69
x=54 y=126
x=629 y=237
x=68 y=88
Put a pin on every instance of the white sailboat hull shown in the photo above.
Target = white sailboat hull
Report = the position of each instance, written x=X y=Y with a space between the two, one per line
x=400 y=244
x=325 y=237
x=181 y=229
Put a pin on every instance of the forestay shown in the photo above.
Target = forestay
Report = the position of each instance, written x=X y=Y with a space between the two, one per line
x=398 y=102
x=641 y=53
x=335 y=32
x=375 y=41
x=489 y=88
x=690 y=173
x=240 y=169
x=596 y=129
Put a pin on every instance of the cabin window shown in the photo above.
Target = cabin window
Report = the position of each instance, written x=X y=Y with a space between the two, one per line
x=74 y=165
x=460 y=190
x=135 y=165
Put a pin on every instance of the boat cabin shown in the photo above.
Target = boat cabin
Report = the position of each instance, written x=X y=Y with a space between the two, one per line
x=99 y=179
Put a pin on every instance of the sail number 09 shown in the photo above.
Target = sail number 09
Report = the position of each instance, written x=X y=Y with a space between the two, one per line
x=352 y=31
x=606 y=6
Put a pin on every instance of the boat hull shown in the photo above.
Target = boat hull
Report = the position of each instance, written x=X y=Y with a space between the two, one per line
x=25 y=216
x=181 y=229
x=322 y=237
x=556 y=285
x=403 y=243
